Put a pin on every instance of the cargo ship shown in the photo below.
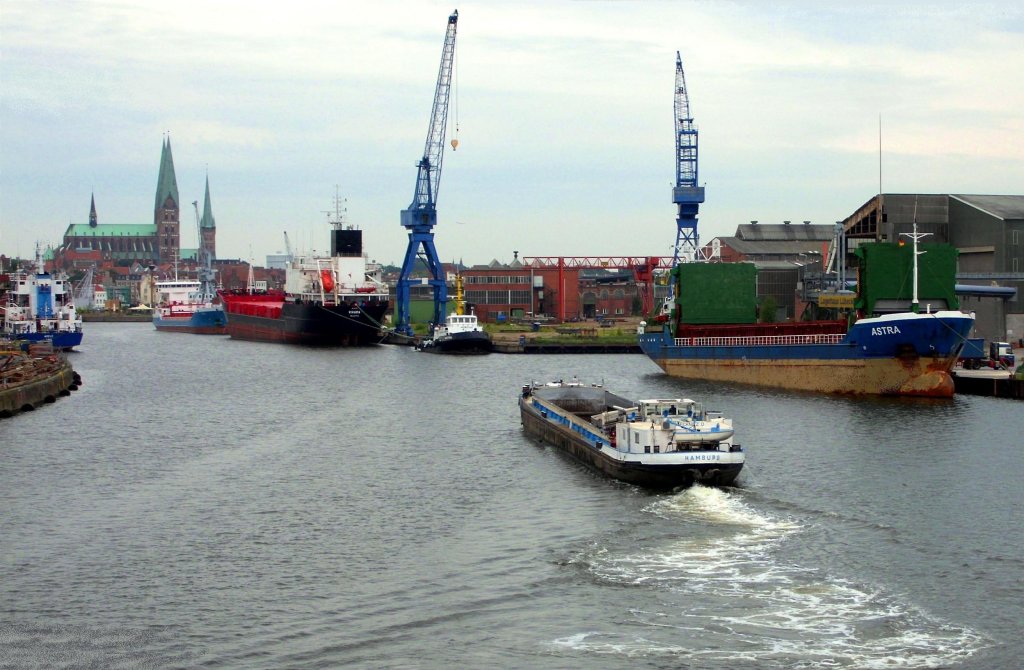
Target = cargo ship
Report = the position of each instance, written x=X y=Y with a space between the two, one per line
x=657 y=443
x=711 y=331
x=187 y=306
x=336 y=300
x=185 y=309
x=38 y=307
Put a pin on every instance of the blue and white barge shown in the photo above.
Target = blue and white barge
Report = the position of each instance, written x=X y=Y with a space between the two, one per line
x=656 y=443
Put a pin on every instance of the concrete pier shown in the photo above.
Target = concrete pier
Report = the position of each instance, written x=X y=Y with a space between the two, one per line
x=27 y=382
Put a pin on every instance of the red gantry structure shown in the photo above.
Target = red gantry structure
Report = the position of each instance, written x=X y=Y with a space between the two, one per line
x=643 y=268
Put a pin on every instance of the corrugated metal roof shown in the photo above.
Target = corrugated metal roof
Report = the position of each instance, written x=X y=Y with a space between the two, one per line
x=760 y=247
x=783 y=232
x=1002 y=206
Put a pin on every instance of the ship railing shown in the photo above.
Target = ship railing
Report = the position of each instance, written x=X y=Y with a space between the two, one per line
x=758 y=340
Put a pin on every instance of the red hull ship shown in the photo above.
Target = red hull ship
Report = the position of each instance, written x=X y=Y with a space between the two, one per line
x=274 y=316
x=339 y=300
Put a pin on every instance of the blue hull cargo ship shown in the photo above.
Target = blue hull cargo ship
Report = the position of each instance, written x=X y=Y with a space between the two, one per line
x=712 y=331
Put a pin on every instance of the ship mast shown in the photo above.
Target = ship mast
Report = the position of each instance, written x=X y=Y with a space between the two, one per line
x=914 y=306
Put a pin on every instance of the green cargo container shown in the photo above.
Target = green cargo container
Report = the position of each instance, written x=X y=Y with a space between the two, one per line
x=887 y=270
x=715 y=293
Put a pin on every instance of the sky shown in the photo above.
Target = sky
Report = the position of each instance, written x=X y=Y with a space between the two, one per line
x=564 y=116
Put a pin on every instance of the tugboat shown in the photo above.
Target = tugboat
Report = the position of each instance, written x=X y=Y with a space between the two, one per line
x=337 y=300
x=657 y=443
x=39 y=308
x=461 y=333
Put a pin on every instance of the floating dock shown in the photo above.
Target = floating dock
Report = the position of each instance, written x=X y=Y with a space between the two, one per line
x=993 y=384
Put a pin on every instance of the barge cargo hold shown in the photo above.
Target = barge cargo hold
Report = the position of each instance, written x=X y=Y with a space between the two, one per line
x=658 y=444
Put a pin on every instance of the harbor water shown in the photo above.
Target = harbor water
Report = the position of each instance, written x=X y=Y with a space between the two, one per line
x=204 y=502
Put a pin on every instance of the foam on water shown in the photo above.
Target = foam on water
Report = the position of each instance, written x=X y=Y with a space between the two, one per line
x=726 y=598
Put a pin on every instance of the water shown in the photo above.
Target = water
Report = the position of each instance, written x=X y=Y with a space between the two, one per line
x=202 y=502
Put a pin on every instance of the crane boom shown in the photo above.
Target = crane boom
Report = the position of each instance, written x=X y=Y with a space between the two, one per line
x=687 y=195
x=428 y=178
x=421 y=215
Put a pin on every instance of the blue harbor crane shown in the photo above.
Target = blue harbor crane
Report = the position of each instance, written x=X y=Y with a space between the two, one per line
x=421 y=216
x=686 y=195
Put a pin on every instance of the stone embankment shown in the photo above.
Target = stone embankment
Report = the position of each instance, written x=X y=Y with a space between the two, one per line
x=28 y=380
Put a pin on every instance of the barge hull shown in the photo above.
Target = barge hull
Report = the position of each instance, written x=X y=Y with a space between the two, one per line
x=661 y=476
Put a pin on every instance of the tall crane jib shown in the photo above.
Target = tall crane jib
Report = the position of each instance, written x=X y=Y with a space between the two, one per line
x=687 y=195
x=421 y=215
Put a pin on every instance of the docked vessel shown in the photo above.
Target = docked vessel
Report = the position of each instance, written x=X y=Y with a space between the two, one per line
x=336 y=300
x=658 y=443
x=39 y=307
x=187 y=306
x=461 y=333
x=184 y=308
x=905 y=352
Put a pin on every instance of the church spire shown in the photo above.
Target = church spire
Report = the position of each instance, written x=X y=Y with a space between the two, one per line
x=166 y=182
x=207 y=220
x=92 y=212
x=207 y=226
x=167 y=213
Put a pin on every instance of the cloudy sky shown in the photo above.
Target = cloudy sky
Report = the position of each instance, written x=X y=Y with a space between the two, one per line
x=564 y=112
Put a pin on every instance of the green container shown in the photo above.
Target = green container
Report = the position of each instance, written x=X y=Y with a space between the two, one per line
x=716 y=293
x=887 y=273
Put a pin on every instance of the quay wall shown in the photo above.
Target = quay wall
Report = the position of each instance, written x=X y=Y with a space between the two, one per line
x=46 y=388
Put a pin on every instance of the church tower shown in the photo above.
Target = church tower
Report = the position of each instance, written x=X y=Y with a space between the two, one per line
x=167 y=213
x=93 y=221
x=207 y=226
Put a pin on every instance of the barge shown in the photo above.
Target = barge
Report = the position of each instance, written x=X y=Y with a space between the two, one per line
x=656 y=443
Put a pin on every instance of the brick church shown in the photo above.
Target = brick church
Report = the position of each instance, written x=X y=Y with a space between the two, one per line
x=158 y=243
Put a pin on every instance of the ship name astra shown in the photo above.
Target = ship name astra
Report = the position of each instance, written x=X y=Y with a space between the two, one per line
x=885 y=330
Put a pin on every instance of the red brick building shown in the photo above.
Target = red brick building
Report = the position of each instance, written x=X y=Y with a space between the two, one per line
x=563 y=289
